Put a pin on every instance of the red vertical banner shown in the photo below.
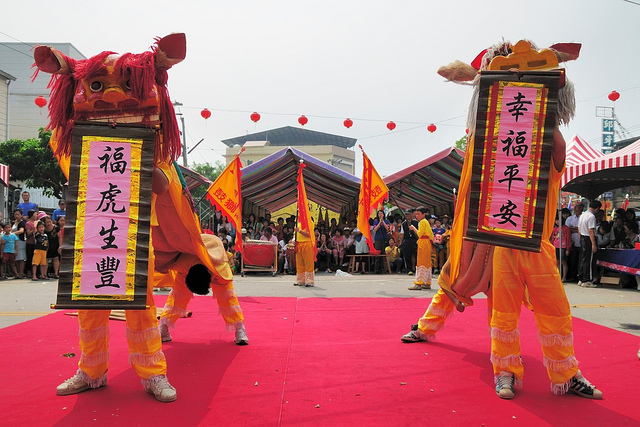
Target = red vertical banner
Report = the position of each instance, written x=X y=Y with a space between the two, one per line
x=304 y=214
x=373 y=191
x=226 y=195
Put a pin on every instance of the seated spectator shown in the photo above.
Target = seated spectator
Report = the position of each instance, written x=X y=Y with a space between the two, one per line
x=323 y=257
x=393 y=255
x=268 y=235
x=339 y=244
x=631 y=235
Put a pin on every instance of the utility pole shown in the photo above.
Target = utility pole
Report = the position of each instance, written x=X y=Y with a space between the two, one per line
x=184 y=135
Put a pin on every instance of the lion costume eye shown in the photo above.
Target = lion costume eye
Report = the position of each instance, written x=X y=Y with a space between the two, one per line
x=127 y=85
x=96 y=86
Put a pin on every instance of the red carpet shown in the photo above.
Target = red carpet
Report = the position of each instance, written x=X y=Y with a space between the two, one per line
x=316 y=361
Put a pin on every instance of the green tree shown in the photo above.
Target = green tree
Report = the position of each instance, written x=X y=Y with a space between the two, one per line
x=210 y=172
x=32 y=161
x=462 y=143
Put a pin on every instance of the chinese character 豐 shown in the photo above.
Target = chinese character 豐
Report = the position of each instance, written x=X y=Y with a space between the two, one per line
x=107 y=267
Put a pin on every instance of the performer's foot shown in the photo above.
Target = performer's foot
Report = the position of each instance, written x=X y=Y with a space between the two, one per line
x=505 y=385
x=241 y=336
x=159 y=386
x=582 y=387
x=298 y=284
x=78 y=383
x=415 y=288
x=309 y=285
x=413 y=335
x=164 y=333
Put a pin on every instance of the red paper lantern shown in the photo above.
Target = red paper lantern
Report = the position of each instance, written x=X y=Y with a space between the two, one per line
x=391 y=126
x=303 y=120
x=614 y=96
x=255 y=117
x=205 y=113
x=348 y=123
x=41 y=101
x=431 y=128
x=466 y=131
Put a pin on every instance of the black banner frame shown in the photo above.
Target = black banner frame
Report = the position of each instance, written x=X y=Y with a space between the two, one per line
x=65 y=298
x=551 y=81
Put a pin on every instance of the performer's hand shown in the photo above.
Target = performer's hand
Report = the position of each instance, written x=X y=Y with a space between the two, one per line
x=476 y=269
x=594 y=248
x=160 y=183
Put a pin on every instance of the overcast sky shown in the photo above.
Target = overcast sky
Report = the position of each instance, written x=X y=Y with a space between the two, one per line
x=372 y=61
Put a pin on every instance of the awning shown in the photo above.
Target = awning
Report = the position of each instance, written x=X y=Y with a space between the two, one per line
x=194 y=179
x=4 y=175
x=579 y=152
x=608 y=172
x=428 y=183
x=271 y=183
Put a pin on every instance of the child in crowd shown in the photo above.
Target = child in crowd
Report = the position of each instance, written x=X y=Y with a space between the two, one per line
x=8 y=252
x=40 y=252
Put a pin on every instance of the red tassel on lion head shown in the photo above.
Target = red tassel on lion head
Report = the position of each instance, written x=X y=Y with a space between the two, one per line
x=128 y=88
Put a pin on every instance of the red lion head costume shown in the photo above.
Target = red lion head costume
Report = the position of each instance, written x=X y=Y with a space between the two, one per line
x=128 y=88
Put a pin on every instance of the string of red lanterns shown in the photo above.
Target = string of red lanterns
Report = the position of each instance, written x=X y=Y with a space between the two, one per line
x=302 y=120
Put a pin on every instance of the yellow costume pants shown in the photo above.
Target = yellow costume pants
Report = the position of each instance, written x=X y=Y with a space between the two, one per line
x=304 y=263
x=440 y=309
x=145 y=345
x=180 y=295
x=514 y=272
x=423 y=263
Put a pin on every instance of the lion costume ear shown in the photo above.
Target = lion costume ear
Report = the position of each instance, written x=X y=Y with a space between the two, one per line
x=458 y=71
x=566 y=51
x=171 y=50
x=50 y=60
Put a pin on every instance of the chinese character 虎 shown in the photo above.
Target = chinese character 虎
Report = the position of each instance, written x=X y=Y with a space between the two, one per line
x=109 y=197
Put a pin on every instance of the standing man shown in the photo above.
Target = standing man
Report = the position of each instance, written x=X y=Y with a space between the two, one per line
x=574 y=255
x=26 y=206
x=588 y=245
x=61 y=211
x=409 y=246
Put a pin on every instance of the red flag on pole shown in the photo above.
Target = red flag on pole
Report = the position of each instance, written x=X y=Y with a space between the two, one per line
x=304 y=215
x=225 y=195
x=373 y=191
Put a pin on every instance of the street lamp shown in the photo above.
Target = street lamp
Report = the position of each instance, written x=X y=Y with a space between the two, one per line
x=184 y=135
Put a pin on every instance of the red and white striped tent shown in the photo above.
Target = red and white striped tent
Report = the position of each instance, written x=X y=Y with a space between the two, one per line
x=4 y=175
x=593 y=177
x=579 y=154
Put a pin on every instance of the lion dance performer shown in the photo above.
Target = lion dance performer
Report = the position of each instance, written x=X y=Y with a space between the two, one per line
x=188 y=276
x=128 y=88
x=516 y=276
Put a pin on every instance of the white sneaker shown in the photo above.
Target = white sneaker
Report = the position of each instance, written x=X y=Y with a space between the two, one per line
x=78 y=383
x=241 y=336
x=159 y=386
x=505 y=385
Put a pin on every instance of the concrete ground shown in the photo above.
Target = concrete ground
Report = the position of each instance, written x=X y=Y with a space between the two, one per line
x=22 y=300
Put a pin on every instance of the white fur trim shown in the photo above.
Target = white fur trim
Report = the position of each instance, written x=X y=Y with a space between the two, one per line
x=505 y=336
x=559 y=365
x=146 y=360
x=143 y=336
x=95 y=360
x=556 y=339
x=506 y=361
x=94 y=334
